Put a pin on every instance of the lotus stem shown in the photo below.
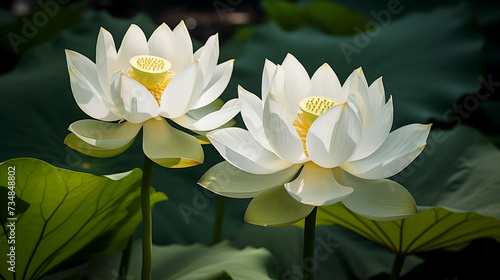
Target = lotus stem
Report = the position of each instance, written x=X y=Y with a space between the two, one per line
x=308 y=253
x=125 y=261
x=219 y=217
x=396 y=267
x=147 y=239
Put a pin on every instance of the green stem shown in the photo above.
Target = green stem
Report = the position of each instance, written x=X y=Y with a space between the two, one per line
x=147 y=238
x=125 y=261
x=396 y=267
x=308 y=253
x=219 y=217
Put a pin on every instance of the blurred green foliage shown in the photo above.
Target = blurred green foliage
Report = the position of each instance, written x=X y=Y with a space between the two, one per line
x=40 y=25
x=327 y=16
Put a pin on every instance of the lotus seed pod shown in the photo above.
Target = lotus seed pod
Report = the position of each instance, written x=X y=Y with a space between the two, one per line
x=149 y=70
x=314 y=106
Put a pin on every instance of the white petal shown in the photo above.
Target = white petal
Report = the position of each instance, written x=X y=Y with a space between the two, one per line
x=276 y=208
x=105 y=135
x=134 y=43
x=375 y=132
x=297 y=83
x=356 y=86
x=277 y=89
x=162 y=44
x=217 y=85
x=208 y=56
x=400 y=148
x=87 y=97
x=317 y=186
x=106 y=57
x=376 y=93
x=267 y=76
x=134 y=102
x=184 y=47
x=237 y=146
x=83 y=147
x=209 y=120
x=212 y=107
x=87 y=69
x=251 y=112
x=281 y=134
x=227 y=180
x=325 y=82
x=333 y=136
x=182 y=92
x=379 y=200
x=170 y=147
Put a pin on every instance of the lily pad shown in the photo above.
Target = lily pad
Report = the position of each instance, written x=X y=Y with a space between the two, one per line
x=430 y=229
x=67 y=211
x=460 y=191
x=6 y=212
x=179 y=262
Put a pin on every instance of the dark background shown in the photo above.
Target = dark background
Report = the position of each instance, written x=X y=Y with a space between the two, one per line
x=202 y=17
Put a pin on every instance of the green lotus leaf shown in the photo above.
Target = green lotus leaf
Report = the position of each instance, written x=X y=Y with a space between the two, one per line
x=180 y=262
x=6 y=212
x=67 y=212
x=431 y=229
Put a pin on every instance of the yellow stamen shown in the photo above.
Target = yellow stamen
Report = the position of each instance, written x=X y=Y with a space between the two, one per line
x=302 y=128
x=152 y=72
x=311 y=108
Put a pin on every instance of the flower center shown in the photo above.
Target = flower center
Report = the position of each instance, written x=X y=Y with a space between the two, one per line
x=152 y=72
x=311 y=108
x=314 y=106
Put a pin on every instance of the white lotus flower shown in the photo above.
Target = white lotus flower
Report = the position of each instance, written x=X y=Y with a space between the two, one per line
x=312 y=142
x=143 y=83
